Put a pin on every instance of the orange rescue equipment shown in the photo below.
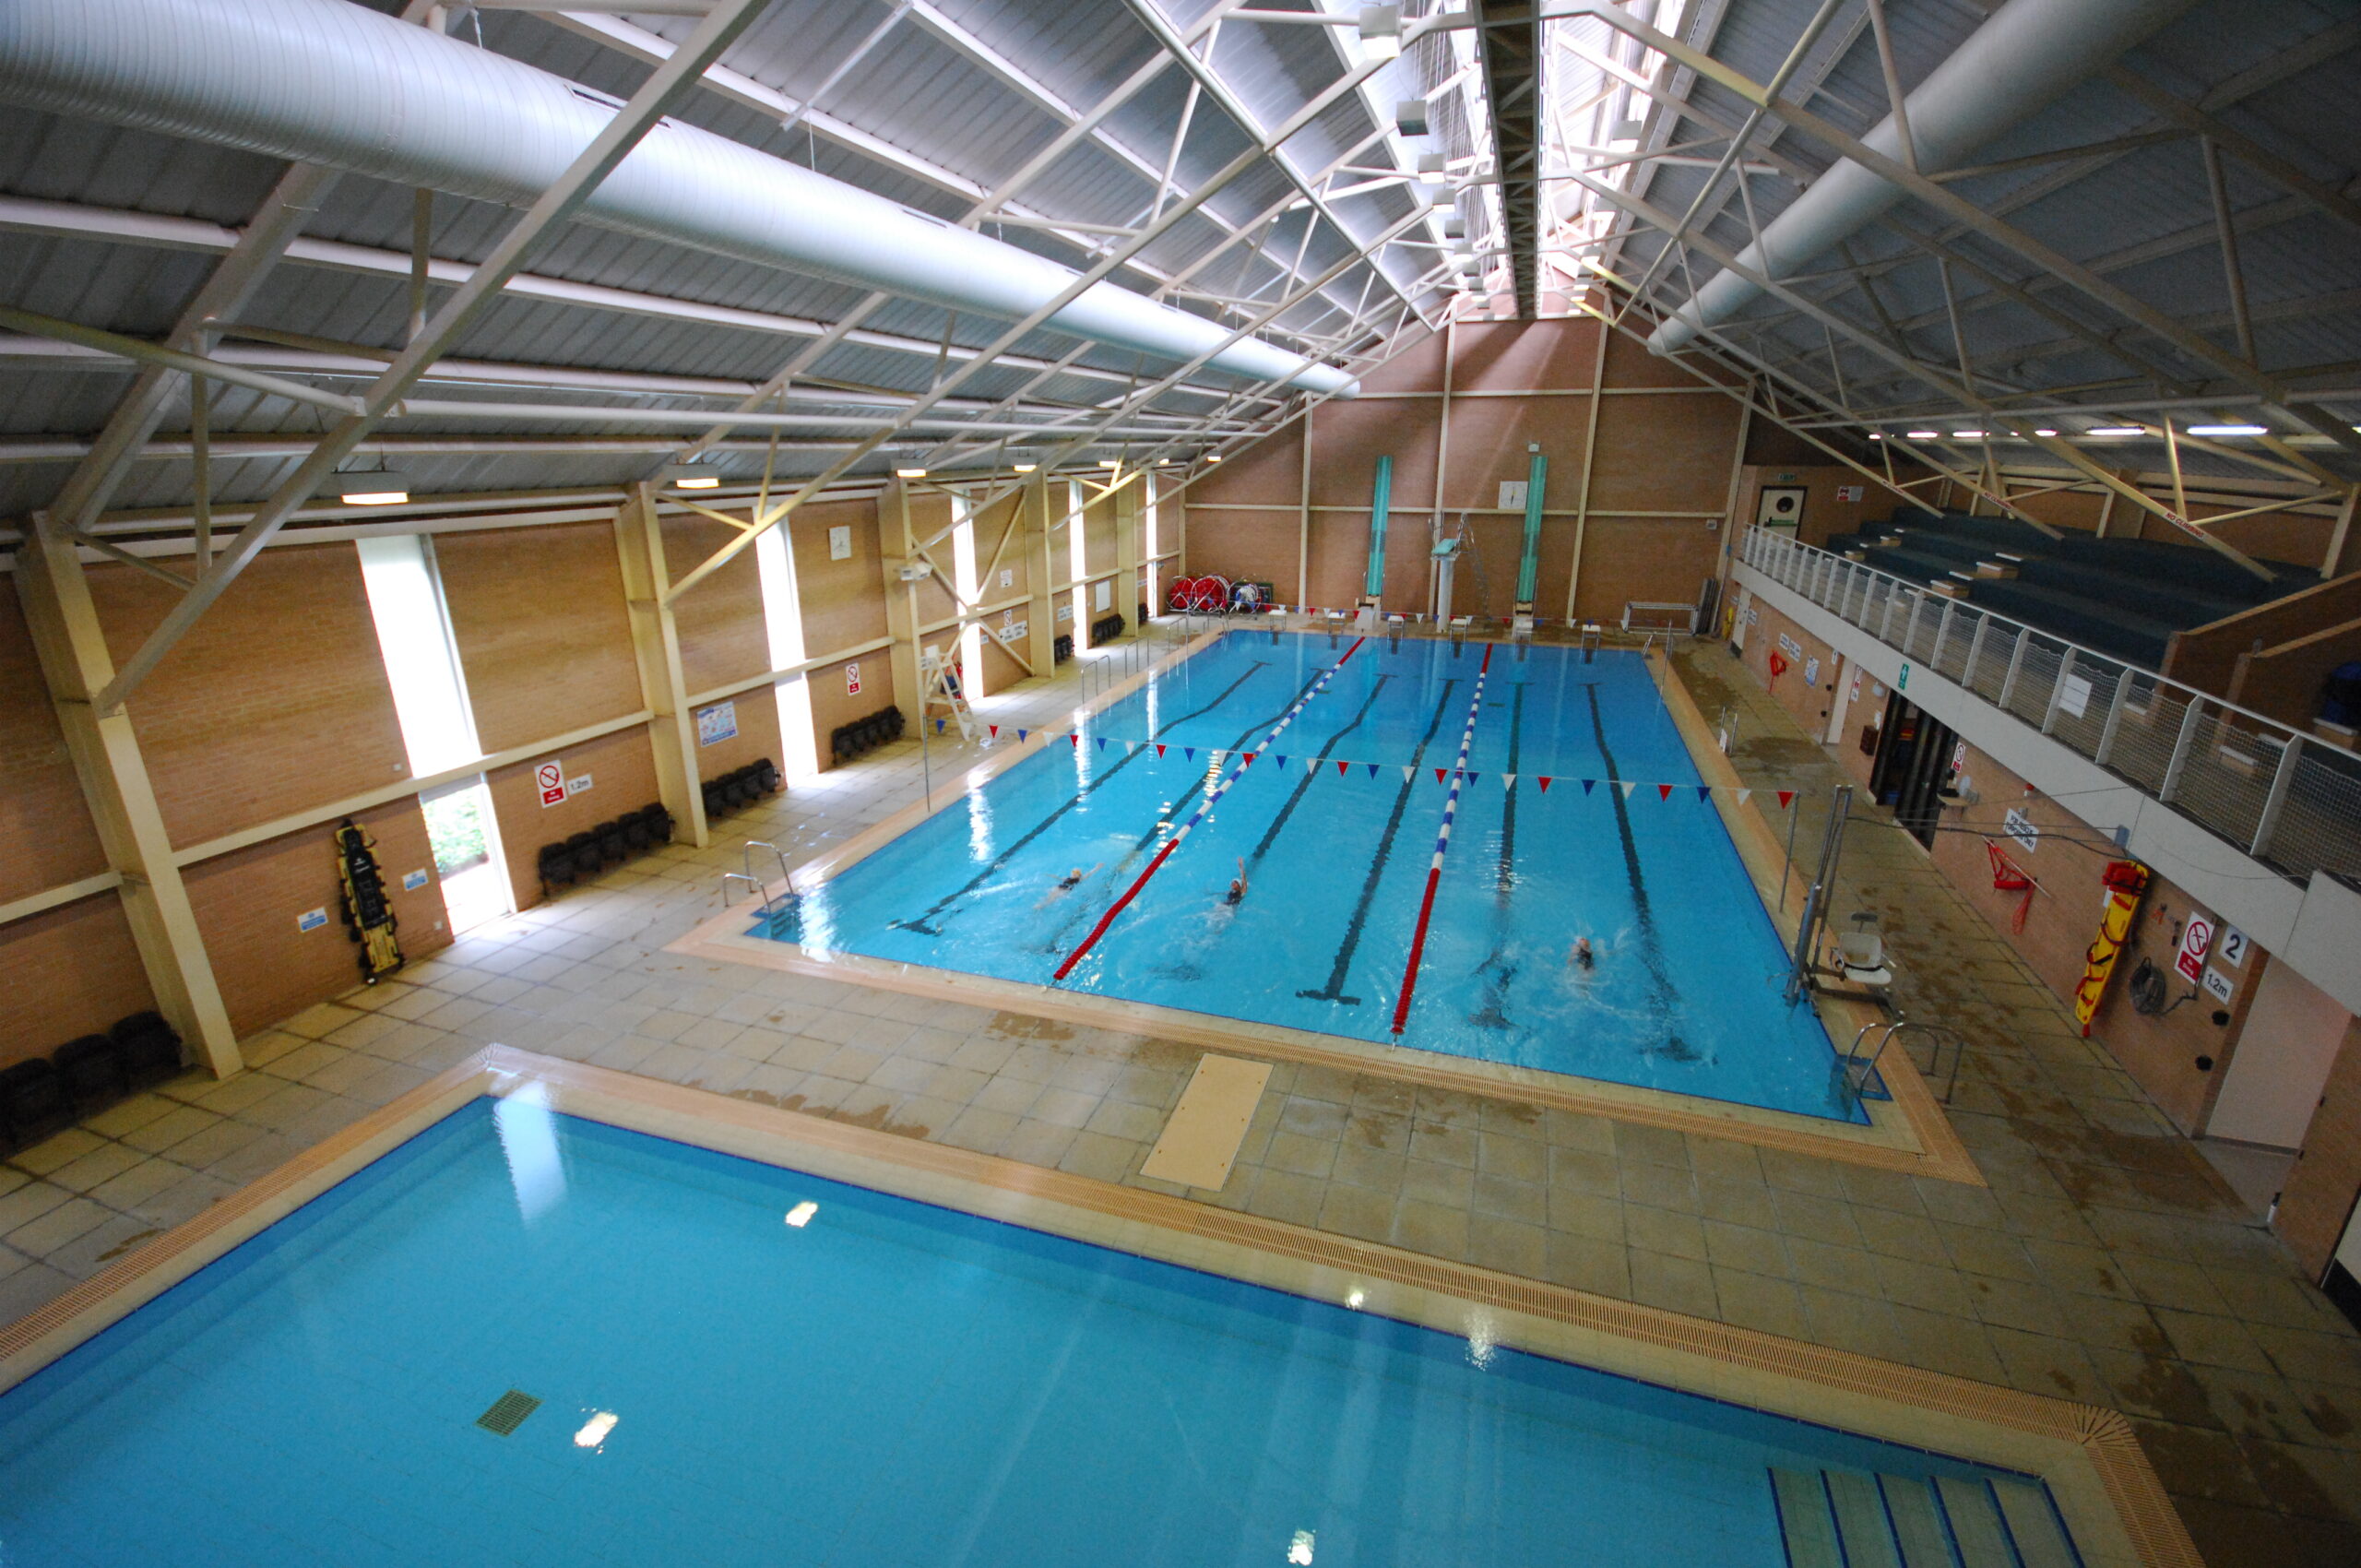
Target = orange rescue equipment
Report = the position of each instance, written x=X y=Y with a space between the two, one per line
x=2006 y=878
x=1778 y=665
x=2125 y=881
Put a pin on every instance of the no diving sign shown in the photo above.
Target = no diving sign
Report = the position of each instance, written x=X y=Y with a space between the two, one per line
x=550 y=778
x=2196 y=941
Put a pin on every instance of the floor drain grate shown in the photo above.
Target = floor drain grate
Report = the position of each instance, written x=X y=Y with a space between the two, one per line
x=509 y=1412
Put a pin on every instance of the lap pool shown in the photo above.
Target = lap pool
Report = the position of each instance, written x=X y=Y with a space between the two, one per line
x=526 y=1338
x=1576 y=813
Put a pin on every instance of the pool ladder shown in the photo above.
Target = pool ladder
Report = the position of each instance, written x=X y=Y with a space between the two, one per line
x=771 y=903
x=1857 y=1068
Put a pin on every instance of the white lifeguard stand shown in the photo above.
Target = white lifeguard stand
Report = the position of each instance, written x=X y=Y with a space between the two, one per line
x=944 y=698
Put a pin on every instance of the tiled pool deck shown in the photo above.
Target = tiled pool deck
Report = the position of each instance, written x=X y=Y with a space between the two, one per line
x=2105 y=1262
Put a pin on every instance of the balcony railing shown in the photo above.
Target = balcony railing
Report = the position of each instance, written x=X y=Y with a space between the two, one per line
x=2291 y=801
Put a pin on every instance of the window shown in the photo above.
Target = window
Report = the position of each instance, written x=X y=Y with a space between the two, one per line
x=783 y=620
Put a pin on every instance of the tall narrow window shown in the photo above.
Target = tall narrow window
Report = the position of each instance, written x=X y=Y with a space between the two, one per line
x=438 y=728
x=963 y=576
x=1078 y=565
x=783 y=620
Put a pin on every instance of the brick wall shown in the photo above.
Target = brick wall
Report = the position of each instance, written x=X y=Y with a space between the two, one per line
x=2318 y=1194
x=1513 y=385
x=544 y=639
x=247 y=902
x=286 y=663
x=623 y=771
x=1808 y=701
x=46 y=839
x=64 y=972
x=844 y=606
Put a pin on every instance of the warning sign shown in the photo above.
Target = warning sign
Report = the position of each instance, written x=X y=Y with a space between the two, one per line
x=2196 y=941
x=550 y=780
x=852 y=680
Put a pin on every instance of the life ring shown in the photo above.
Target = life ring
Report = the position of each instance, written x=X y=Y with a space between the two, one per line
x=1778 y=665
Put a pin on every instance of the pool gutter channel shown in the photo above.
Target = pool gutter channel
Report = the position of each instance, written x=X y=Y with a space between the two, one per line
x=1907 y=1132
x=2107 y=1493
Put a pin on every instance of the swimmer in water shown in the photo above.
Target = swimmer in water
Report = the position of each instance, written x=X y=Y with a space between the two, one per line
x=1238 y=884
x=1072 y=879
x=1582 y=955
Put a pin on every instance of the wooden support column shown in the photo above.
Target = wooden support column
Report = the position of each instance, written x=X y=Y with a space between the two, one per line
x=76 y=662
x=656 y=644
x=1130 y=501
x=898 y=549
x=1590 y=456
x=1040 y=608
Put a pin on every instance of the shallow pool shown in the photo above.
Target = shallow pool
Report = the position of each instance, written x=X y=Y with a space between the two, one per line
x=1333 y=826
x=735 y=1363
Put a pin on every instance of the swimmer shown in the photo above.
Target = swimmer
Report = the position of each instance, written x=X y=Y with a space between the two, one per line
x=1072 y=879
x=1582 y=955
x=1238 y=884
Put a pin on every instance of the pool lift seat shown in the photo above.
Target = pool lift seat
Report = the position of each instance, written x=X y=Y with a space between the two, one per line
x=1860 y=955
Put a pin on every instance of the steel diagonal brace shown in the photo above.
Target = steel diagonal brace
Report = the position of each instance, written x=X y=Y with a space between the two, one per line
x=656 y=97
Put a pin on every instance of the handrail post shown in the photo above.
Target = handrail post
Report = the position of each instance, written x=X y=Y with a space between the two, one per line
x=1942 y=635
x=1974 y=651
x=2195 y=715
x=2281 y=781
x=2016 y=664
x=2057 y=692
x=2114 y=716
x=1910 y=627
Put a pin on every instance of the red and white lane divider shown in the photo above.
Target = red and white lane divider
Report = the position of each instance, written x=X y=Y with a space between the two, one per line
x=1443 y=846
x=1212 y=797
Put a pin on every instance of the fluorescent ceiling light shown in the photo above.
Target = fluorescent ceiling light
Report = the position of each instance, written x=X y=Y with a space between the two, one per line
x=1967 y=435
x=800 y=1214
x=2229 y=430
x=1380 y=30
x=1922 y=434
x=378 y=487
x=1432 y=170
x=594 y=1430
x=1026 y=467
x=688 y=476
x=1877 y=435
x=2045 y=433
x=1212 y=456
x=1110 y=462
x=1410 y=118
x=909 y=473
x=2117 y=430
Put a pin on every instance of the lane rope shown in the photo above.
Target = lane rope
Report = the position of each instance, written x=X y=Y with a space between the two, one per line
x=1213 y=798
x=1443 y=846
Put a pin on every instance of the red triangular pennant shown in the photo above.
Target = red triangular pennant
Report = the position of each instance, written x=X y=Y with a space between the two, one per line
x=1160 y=748
x=1245 y=757
x=1787 y=798
x=1664 y=791
x=1440 y=774
x=1545 y=783
x=995 y=729
x=1341 y=767
x=1073 y=739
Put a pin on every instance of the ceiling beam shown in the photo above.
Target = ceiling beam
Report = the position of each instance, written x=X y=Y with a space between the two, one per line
x=1511 y=53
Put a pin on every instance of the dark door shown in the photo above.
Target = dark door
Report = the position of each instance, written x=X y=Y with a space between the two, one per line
x=1913 y=768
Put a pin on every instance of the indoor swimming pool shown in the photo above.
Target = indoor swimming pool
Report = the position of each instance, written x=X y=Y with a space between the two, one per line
x=1576 y=817
x=526 y=1338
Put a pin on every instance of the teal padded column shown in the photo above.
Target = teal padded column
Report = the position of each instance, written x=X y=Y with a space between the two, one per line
x=1376 y=583
x=1528 y=571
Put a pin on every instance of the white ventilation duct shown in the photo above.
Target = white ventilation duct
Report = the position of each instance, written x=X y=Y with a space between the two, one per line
x=330 y=82
x=2018 y=63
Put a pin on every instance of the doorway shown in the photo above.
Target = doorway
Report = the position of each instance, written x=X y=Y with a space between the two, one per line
x=1912 y=775
x=465 y=837
x=1780 y=506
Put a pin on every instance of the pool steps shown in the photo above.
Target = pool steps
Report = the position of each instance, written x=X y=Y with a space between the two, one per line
x=1848 y=1519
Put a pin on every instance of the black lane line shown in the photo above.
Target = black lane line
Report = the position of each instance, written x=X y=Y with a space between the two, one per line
x=1651 y=945
x=1334 y=990
x=1260 y=726
x=1313 y=768
x=1496 y=968
x=921 y=925
x=1057 y=941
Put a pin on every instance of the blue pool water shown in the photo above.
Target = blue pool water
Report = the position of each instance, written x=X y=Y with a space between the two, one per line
x=890 y=1383
x=1685 y=994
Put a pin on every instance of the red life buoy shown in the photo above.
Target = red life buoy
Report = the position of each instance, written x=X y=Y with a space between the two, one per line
x=1778 y=665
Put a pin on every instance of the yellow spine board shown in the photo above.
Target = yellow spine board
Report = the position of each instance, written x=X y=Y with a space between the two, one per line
x=2126 y=882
